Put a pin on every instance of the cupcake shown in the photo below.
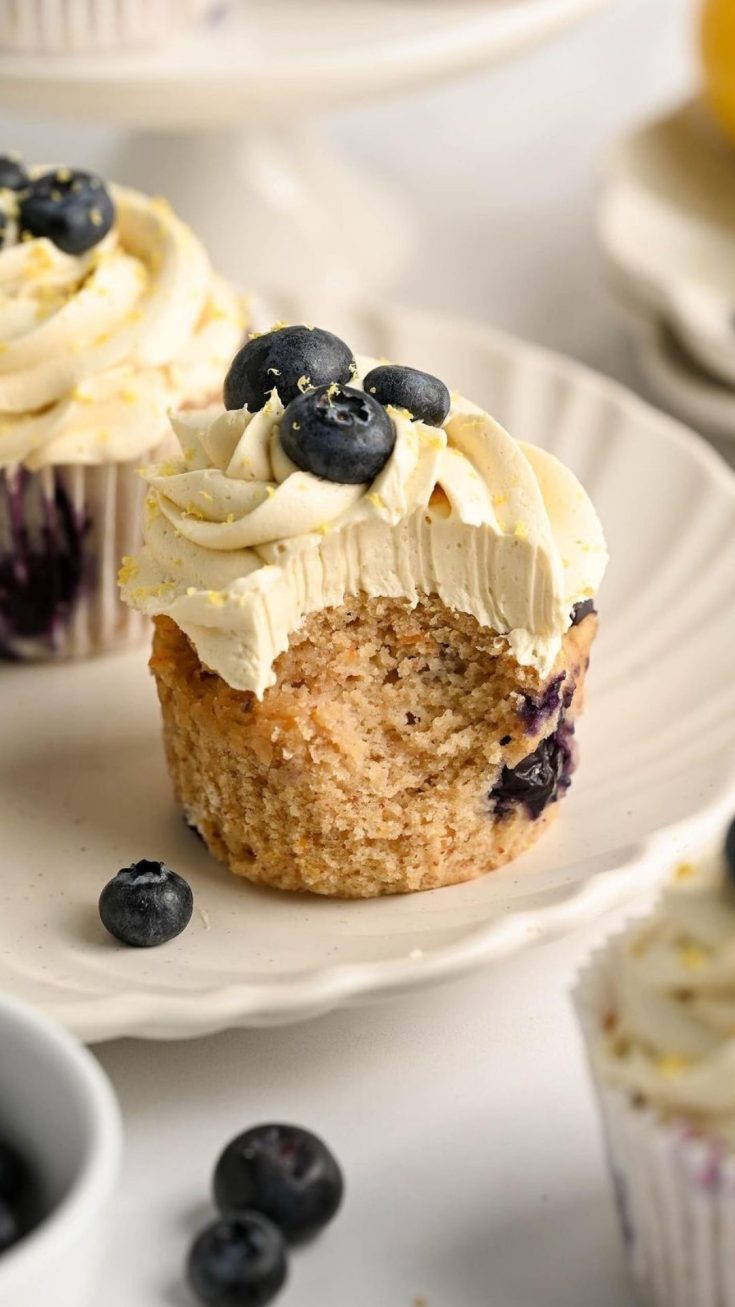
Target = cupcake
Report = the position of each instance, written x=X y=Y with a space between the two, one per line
x=110 y=314
x=84 y=26
x=657 y=1008
x=373 y=616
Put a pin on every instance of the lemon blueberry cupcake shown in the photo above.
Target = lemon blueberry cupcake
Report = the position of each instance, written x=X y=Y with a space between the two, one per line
x=374 y=611
x=657 y=1007
x=110 y=314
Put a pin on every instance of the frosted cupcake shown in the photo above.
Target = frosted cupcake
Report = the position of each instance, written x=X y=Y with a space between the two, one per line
x=109 y=314
x=94 y=26
x=374 y=611
x=658 y=1012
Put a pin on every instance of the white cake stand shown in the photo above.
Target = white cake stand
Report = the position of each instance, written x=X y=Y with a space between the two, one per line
x=217 y=120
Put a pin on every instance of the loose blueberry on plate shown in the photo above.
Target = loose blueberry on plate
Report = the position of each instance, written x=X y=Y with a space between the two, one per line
x=339 y=433
x=287 y=360
x=238 y=1261
x=146 y=904
x=13 y=176
x=426 y=398
x=284 y=1172
x=72 y=208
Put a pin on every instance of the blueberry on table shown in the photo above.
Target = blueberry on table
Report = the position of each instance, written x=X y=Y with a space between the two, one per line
x=730 y=850
x=72 y=208
x=13 y=176
x=426 y=398
x=15 y=1179
x=238 y=1261
x=339 y=433
x=146 y=904
x=284 y=1172
x=11 y=1229
x=289 y=360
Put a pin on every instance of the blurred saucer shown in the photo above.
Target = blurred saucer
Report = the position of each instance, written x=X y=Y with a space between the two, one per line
x=675 y=378
x=666 y=224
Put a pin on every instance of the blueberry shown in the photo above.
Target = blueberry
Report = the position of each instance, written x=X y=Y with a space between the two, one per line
x=338 y=433
x=11 y=1229
x=284 y=1172
x=730 y=849
x=72 y=208
x=13 y=176
x=287 y=360
x=425 y=397
x=582 y=610
x=14 y=1174
x=538 y=779
x=146 y=904
x=238 y=1261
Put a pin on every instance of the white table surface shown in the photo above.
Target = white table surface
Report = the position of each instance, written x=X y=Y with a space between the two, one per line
x=462 y=1116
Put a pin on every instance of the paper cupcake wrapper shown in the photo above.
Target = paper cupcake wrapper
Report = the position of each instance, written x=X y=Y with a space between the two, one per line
x=674 y=1190
x=63 y=533
x=80 y=26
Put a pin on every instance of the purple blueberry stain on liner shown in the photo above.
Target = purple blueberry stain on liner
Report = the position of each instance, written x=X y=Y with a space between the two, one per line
x=42 y=562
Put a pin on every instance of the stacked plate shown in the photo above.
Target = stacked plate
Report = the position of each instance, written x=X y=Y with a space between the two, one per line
x=667 y=229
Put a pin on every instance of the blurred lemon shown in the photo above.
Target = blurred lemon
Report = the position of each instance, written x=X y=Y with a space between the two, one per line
x=718 y=53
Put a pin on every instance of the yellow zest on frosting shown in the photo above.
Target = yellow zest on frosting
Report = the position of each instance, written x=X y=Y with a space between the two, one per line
x=279 y=543
x=138 y=323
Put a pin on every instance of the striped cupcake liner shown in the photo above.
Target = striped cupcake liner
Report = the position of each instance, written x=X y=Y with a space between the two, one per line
x=674 y=1189
x=63 y=532
x=84 y=26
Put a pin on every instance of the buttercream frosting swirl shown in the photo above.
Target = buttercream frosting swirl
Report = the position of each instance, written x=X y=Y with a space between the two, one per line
x=94 y=348
x=241 y=545
x=671 y=1025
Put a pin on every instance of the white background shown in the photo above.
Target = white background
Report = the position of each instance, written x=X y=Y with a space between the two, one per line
x=462 y=1116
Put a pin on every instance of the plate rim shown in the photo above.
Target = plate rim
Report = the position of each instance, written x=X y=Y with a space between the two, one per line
x=153 y=1015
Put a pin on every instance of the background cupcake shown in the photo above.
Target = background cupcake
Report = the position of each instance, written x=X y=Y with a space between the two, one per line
x=110 y=313
x=374 y=615
x=658 y=1013
x=81 y=26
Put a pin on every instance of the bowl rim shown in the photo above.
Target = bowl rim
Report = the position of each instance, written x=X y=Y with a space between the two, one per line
x=101 y=1158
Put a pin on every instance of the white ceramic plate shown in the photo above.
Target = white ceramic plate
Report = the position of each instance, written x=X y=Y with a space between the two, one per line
x=278 y=59
x=83 y=789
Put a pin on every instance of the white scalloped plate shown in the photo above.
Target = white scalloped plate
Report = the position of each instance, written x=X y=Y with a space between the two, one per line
x=83 y=788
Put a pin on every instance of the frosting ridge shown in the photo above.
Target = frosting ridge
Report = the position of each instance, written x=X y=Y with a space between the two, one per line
x=95 y=347
x=673 y=1038
x=241 y=545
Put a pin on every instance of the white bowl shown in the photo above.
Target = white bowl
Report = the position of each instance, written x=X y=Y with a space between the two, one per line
x=57 y=1107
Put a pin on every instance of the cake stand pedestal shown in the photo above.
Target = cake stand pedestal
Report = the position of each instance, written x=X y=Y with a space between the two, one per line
x=217 y=121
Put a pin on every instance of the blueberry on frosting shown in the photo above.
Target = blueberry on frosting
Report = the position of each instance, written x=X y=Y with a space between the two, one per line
x=72 y=208
x=338 y=433
x=289 y=360
x=425 y=397
x=13 y=176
